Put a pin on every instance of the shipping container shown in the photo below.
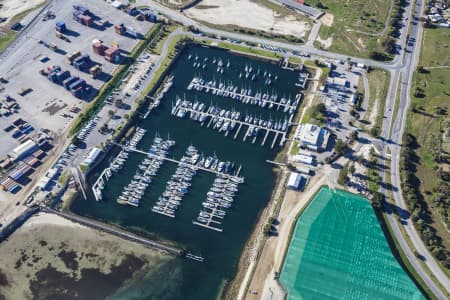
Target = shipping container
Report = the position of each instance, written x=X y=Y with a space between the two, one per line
x=79 y=83
x=18 y=122
x=120 y=29
x=69 y=81
x=27 y=129
x=98 y=48
x=62 y=75
x=82 y=9
x=71 y=57
x=112 y=54
x=78 y=92
x=95 y=71
x=60 y=26
x=131 y=31
x=86 y=20
x=76 y=15
x=52 y=76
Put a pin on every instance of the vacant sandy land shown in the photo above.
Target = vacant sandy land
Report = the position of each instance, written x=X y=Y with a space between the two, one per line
x=52 y=258
x=247 y=14
x=13 y=7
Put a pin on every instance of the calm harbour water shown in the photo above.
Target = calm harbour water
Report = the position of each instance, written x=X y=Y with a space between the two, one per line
x=185 y=279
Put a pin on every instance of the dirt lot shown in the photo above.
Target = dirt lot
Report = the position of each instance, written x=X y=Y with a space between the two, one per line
x=248 y=14
x=12 y=8
x=52 y=258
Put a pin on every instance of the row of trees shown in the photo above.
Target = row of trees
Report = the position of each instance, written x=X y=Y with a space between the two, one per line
x=420 y=214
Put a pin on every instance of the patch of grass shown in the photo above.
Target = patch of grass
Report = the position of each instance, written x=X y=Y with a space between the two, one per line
x=164 y=64
x=435 y=45
x=7 y=39
x=396 y=106
x=351 y=18
x=294 y=149
x=295 y=60
x=426 y=125
x=378 y=86
x=159 y=43
x=249 y=50
x=315 y=114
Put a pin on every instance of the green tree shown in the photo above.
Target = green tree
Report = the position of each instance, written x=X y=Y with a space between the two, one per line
x=340 y=146
x=352 y=169
x=378 y=199
x=118 y=103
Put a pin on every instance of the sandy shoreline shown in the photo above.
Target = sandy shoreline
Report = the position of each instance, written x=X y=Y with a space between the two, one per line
x=248 y=254
x=52 y=257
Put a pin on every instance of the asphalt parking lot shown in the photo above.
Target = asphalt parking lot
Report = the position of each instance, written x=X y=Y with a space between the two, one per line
x=48 y=105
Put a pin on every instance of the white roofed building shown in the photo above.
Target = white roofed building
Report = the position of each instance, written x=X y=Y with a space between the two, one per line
x=295 y=181
x=313 y=137
x=23 y=150
x=304 y=159
x=91 y=157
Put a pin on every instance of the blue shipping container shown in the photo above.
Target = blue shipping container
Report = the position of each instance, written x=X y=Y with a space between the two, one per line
x=83 y=58
x=27 y=129
x=80 y=65
x=78 y=92
x=82 y=9
x=52 y=76
x=76 y=84
x=76 y=15
x=60 y=26
x=69 y=81
x=62 y=75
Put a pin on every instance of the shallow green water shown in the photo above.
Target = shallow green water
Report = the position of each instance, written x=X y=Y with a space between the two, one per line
x=185 y=279
x=338 y=251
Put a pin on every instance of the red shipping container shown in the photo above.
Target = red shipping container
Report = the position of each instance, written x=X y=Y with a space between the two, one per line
x=86 y=20
x=98 y=48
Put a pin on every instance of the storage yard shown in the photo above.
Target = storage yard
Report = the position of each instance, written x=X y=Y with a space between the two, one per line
x=57 y=66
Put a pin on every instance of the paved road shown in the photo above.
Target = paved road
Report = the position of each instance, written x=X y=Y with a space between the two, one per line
x=313 y=33
x=394 y=142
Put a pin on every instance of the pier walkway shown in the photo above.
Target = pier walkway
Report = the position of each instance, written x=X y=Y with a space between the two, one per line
x=100 y=183
x=236 y=175
x=211 y=223
x=79 y=179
